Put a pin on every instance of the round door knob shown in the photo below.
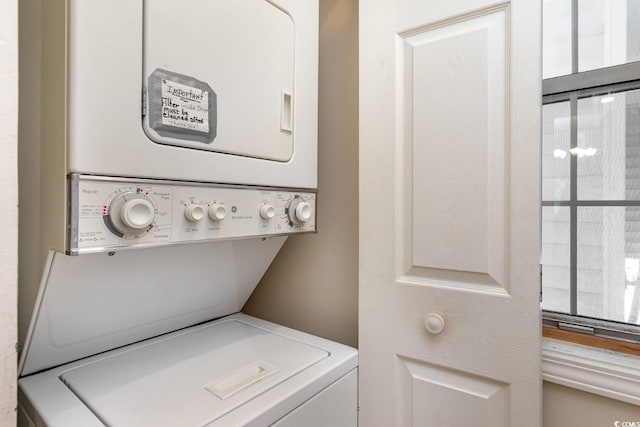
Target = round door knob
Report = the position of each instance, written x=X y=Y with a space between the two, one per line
x=137 y=214
x=217 y=212
x=194 y=213
x=267 y=211
x=303 y=212
x=434 y=323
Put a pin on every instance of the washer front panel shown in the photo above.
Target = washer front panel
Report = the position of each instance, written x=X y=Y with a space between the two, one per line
x=180 y=213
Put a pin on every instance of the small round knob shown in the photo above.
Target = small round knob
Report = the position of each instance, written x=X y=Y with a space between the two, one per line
x=267 y=211
x=217 y=212
x=303 y=212
x=194 y=213
x=434 y=323
x=137 y=214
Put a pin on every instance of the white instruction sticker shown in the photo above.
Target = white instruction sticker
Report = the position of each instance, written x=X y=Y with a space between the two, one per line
x=185 y=107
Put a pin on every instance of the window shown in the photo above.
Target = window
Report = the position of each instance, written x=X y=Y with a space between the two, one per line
x=591 y=167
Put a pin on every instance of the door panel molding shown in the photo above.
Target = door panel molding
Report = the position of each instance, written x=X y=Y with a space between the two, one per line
x=452 y=124
x=429 y=391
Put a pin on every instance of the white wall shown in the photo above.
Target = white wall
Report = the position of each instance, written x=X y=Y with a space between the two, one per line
x=568 y=407
x=9 y=211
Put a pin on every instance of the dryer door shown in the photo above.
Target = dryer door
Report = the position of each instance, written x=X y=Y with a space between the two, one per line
x=219 y=76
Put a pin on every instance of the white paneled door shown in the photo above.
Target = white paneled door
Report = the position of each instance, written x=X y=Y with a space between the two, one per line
x=450 y=95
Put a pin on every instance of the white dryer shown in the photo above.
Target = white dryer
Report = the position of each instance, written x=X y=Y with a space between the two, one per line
x=198 y=90
x=179 y=151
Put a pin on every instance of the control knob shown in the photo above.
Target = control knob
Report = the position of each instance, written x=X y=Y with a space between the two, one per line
x=194 y=213
x=137 y=214
x=217 y=212
x=267 y=211
x=130 y=214
x=300 y=211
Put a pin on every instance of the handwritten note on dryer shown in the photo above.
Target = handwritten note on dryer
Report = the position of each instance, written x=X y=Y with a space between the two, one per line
x=185 y=106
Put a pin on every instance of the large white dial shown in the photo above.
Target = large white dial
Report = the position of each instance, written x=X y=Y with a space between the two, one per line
x=130 y=214
x=300 y=211
x=303 y=212
x=137 y=214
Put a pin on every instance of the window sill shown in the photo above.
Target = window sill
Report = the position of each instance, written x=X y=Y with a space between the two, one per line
x=602 y=372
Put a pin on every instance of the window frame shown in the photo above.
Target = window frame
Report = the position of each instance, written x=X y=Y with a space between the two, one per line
x=597 y=359
x=571 y=87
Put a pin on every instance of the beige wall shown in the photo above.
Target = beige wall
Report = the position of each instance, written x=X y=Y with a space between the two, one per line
x=30 y=12
x=567 y=407
x=313 y=283
x=9 y=211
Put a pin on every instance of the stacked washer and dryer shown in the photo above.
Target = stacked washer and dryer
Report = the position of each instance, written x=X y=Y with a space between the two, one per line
x=179 y=150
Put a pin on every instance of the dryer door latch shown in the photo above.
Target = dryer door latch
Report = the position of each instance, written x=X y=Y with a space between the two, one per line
x=144 y=101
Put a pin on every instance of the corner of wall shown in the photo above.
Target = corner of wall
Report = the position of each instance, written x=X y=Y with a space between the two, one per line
x=9 y=213
x=312 y=285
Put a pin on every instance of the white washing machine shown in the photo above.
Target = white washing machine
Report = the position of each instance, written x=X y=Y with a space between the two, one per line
x=80 y=368
x=179 y=151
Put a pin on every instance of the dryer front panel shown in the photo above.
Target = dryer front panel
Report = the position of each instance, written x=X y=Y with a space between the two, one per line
x=200 y=90
x=109 y=214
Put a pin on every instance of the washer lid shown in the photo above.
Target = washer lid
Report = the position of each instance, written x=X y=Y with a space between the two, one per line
x=94 y=303
x=191 y=379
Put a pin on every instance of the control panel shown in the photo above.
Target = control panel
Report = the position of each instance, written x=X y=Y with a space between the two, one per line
x=113 y=213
